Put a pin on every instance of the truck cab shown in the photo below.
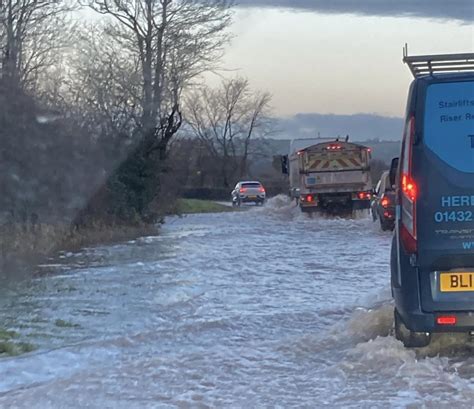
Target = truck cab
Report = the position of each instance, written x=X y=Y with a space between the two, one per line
x=432 y=256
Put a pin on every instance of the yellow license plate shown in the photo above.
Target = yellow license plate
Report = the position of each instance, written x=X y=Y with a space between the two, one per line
x=252 y=197
x=454 y=282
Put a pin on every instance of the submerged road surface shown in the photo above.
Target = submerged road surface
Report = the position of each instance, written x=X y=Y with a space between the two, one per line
x=266 y=308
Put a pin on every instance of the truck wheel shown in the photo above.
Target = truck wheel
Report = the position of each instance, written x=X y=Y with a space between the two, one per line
x=410 y=339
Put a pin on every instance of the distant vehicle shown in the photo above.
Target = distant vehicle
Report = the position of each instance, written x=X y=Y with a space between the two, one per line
x=432 y=258
x=248 y=192
x=333 y=176
x=383 y=203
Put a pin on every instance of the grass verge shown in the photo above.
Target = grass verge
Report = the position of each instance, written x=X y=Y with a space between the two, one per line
x=191 y=206
x=21 y=247
x=10 y=346
x=65 y=324
x=15 y=348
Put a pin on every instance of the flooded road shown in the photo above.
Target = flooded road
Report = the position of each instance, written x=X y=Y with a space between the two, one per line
x=266 y=308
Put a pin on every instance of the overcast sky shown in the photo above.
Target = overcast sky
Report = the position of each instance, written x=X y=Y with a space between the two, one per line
x=342 y=56
x=462 y=10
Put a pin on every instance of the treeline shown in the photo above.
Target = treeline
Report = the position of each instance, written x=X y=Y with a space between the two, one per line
x=89 y=112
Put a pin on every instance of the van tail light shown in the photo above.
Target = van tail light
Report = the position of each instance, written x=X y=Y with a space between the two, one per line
x=409 y=192
x=446 y=320
x=409 y=187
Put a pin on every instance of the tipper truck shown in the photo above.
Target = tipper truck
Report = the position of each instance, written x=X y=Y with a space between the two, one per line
x=332 y=176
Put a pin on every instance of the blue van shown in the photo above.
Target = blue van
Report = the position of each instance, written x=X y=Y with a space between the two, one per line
x=432 y=257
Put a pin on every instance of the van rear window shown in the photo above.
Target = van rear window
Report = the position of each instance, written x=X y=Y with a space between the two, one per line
x=449 y=123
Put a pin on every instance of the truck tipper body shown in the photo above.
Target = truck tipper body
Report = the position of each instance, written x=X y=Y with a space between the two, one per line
x=331 y=176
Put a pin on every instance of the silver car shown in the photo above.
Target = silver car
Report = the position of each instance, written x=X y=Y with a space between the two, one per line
x=248 y=192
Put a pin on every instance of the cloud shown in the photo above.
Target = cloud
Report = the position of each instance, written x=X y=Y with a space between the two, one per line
x=360 y=127
x=461 y=10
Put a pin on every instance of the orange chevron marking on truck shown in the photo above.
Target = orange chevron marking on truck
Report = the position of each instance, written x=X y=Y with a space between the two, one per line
x=333 y=163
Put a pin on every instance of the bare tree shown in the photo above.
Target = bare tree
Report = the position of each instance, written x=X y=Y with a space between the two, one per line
x=103 y=85
x=258 y=122
x=125 y=83
x=31 y=33
x=173 y=42
x=226 y=119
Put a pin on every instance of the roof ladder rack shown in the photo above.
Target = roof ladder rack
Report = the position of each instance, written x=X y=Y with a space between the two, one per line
x=435 y=64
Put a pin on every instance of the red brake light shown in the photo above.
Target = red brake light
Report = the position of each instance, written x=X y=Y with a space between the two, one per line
x=446 y=320
x=242 y=190
x=409 y=191
x=409 y=187
x=364 y=195
x=385 y=202
x=334 y=147
x=262 y=189
x=309 y=198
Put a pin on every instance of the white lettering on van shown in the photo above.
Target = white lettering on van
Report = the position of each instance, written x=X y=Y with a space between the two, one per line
x=465 y=201
x=451 y=118
x=457 y=201
x=456 y=104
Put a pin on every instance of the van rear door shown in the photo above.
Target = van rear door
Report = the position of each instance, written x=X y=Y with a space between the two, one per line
x=443 y=168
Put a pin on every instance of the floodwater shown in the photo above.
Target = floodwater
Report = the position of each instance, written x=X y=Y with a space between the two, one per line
x=265 y=308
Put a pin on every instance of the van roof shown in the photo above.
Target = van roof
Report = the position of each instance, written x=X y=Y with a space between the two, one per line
x=447 y=76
